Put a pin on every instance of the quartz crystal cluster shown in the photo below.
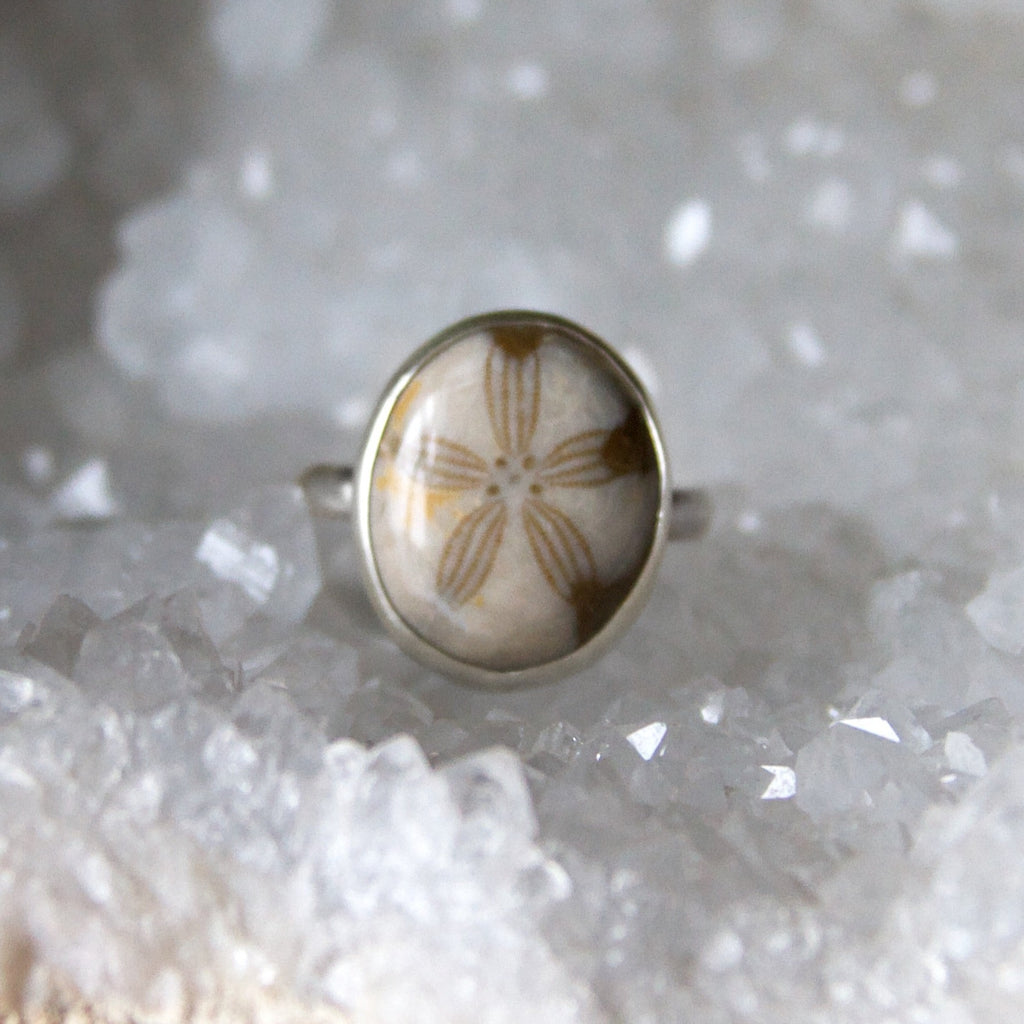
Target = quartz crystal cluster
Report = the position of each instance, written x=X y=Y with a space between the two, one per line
x=793 y=793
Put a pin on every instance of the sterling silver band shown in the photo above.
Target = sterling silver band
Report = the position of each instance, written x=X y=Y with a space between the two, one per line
x=330 y=493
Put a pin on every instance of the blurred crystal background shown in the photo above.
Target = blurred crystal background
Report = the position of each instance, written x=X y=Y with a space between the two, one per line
x=794 y=793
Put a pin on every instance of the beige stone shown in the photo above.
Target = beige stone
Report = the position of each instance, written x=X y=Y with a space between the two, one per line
x=515 y=496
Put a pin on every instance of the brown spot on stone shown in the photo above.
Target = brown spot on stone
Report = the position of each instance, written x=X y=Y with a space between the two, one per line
x=628 y=448
x=518 y=341
x=595 y=603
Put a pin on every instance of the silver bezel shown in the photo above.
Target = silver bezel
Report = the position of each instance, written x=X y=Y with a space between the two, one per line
x=406 y=637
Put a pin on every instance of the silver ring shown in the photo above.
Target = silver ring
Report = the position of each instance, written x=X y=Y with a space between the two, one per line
x=512 y=500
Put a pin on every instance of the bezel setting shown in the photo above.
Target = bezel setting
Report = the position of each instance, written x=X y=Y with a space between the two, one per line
x=404 y=634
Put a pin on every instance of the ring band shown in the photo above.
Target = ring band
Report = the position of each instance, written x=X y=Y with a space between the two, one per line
x=330 y=493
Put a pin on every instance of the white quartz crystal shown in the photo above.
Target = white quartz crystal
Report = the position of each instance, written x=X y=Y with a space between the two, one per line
x=998 y=611
x=259 y=36
x=86 y=494
x=688 y=232
x=11 y=313
x=792 y=792
x=35 y=148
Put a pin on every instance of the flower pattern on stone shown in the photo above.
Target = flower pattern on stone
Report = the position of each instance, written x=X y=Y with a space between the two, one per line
x=519 y=488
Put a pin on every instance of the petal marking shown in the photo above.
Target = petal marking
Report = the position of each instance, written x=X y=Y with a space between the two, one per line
x=578 y=461
x=449 y=466
x=596 y=457
x=468 y=555
x=561 y=550
x=512 y=390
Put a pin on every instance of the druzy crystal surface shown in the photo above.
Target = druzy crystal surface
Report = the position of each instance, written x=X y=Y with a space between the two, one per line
x=793 y=793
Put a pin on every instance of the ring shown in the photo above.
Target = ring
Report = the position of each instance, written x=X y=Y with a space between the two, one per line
x=512 y=500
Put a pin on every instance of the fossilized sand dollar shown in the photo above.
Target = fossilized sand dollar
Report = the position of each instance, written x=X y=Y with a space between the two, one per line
x=515 y=493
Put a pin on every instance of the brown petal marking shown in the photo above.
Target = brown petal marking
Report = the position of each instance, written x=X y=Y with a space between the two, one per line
x=449 y=466
x=561 y=550
x=512 y=389
x=578 y=461
x=469 y=553
x=595 y=457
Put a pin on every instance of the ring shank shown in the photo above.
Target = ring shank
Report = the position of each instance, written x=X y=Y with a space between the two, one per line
x=330 y=493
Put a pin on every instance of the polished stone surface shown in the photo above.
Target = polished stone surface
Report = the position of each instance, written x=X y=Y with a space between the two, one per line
x=515 y=496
